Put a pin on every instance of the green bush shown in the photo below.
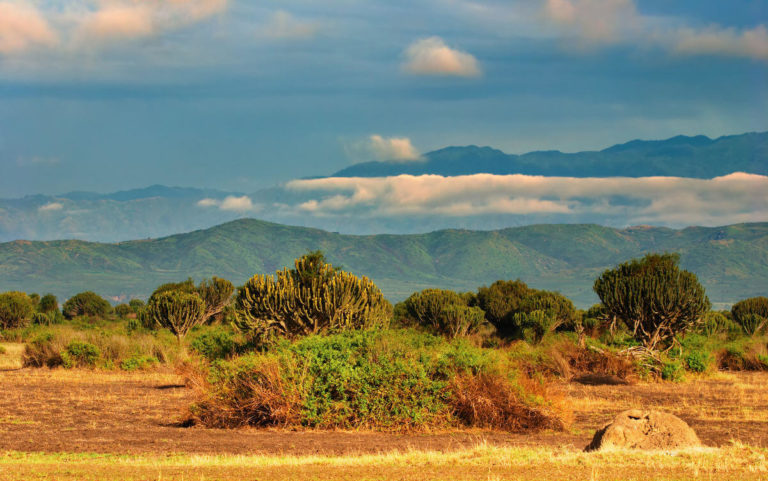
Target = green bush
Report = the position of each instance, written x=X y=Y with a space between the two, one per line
x=698 y=361
x=215 y=344
x=123 y=311
x=138 y=362
x=393 y=379
x=509 y=306
x=714 y=323
x=2 y=350
x=444 y=311
x=311 y=298
x=48 y=304
x=86 y=304
x=672 y=371
x=16 y=309
x=80 y=354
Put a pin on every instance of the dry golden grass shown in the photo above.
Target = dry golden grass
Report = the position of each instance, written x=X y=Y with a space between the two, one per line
x=11 y=355
x=481 y=462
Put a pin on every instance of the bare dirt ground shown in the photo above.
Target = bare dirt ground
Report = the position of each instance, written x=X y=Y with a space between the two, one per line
x=80 y=411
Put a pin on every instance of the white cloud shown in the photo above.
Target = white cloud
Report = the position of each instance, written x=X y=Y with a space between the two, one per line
x=431 y=56
x=662 y=200
x=751 y=43
x=283 y=25
x=86 y=24
x=23 y=27
x=230 y=203
x=398 y=149
x=595 y=22
x=51 y=206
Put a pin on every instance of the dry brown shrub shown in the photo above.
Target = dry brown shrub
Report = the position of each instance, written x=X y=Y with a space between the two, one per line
x=573 y=361
x=493 y=401
x=260 y=399
x=751 y=358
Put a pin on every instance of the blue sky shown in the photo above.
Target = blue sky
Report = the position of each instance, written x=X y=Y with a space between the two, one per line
x=112 y=94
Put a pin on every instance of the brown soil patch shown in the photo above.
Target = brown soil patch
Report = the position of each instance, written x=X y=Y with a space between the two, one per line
x=83 y=411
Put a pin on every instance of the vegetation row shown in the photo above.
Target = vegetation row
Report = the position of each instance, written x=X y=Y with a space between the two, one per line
x=318 y=347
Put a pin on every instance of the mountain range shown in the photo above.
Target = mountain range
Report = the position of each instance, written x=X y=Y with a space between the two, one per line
x=158 y=211
x=731 y=261
x=681 y=156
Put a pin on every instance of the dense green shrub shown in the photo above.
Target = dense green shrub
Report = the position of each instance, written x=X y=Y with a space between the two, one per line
x=672 y=371
x=16 y=309
x=714 y=323
x=653 y=297
x=313 y=297
x=137 y=305
x=138 y=362
x=123 y=311
x=698 y=361
x=377 y=379
x=178 y=311
x=445 y=312
x=48 y=304
x=86 y=304
x=80 y=354
x=214 y=344
x=513 y=307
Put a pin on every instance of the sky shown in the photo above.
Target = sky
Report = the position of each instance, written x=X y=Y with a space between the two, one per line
x=105 y=95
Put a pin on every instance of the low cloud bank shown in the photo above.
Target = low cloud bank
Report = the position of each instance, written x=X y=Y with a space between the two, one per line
x=737 y=197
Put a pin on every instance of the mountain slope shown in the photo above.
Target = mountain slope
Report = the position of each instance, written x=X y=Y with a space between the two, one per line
x=731 y=261
x=681 y=156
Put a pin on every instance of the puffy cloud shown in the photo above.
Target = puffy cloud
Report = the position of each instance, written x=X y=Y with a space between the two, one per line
x=597 y=21
x=128 y=19
x=84 y=23
x=593 y=22
x=230 y=203
x=666 y=200
x=23 y=27
x=431 y=56
x=119 y=21
x=50 y=207
x=398 y=149
x=283 y=25
x=751 y=43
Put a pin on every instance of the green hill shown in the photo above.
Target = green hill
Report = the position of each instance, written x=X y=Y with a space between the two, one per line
x=731 y=261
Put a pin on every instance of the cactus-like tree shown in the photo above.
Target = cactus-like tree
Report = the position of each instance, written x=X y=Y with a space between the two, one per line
x=179 y=311
x=312 y=297
x=751 y=314
x=16 y=309
x=653 y=297
x=443 y=311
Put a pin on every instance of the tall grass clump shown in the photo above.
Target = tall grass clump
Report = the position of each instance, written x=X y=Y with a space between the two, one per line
x=69 y=346
x=379 y=379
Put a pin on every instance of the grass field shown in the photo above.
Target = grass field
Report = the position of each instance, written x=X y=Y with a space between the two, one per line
x=108 y=425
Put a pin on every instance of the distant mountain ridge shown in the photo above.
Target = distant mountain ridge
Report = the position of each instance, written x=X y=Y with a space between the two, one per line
x=731 y=261
x=680 y=156
x=158 y=210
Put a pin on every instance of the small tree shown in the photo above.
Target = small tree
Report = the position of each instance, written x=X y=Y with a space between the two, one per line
x=216 y=293
x=653 y=297
x=86 y=303
x=16 y=309
x=310 y=298
x=177 y=310
x=49 y=303
x=444 y=311
x=751 y=314
x=519 y=311
x=137 y=305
